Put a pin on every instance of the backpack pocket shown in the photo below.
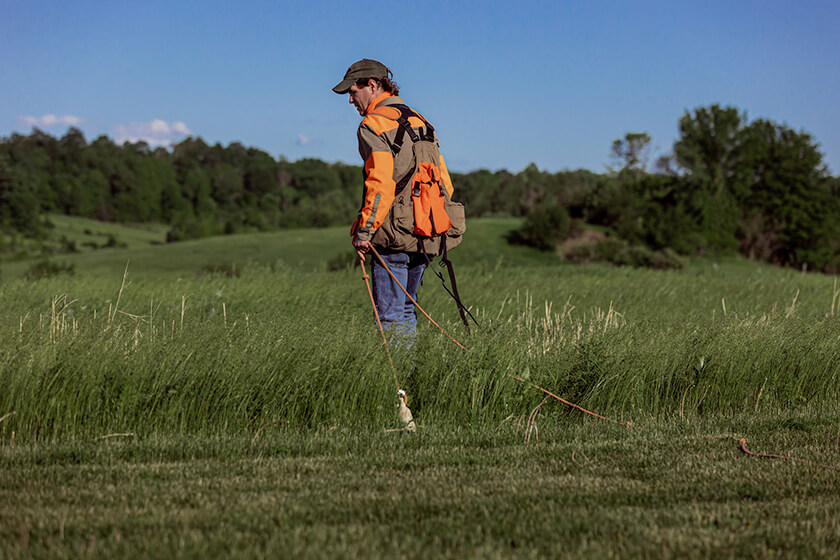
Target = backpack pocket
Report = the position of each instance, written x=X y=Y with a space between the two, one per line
x=454 y=236
x=402 y=214
x=397 y=231
x=427 y=194
x=455 y=211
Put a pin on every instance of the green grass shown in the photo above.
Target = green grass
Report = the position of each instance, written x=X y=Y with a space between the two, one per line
x=82 y=230
x=577 y=489
x=67 y=235
x=306 y=250
x=187 y=413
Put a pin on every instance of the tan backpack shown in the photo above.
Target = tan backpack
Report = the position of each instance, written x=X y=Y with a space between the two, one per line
x=423 y=217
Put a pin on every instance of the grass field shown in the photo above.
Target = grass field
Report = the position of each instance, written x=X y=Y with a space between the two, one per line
x=231 y=396
x=68 y=234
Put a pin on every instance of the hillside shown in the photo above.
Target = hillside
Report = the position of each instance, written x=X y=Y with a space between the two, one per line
x=304 y=249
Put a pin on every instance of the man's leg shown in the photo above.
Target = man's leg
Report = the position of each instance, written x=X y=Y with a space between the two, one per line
x=388 y=297
x=416 y=267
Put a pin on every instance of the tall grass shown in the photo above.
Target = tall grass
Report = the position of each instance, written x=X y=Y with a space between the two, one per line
x=85 y=357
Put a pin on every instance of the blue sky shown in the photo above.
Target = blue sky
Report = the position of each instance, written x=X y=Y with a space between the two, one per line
x=505 y=85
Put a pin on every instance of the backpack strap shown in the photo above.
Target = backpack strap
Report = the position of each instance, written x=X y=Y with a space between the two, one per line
x=405 y=128
x=453 y=293
x=461 y=309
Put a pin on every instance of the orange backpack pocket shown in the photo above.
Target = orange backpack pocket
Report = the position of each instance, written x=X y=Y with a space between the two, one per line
x=428 y=196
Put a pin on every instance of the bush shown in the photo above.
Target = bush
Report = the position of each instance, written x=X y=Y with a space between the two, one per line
x=605 y=250
x=227 y=269
x=48 y=269
x=642 y=257
x=635 y=256
x=620 y=253
x=668 y=259
x=68 y=246
x=114 y=243
x=544 y=226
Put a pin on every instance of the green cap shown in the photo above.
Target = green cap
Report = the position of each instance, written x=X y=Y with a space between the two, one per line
x=365 y=68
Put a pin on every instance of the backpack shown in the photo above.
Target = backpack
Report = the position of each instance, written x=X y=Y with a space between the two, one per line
x=423 y=218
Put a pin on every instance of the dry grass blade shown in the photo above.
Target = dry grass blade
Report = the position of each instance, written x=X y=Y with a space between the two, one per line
x=532 y=421
x=264 y=426
x=7 y=415
x=392 y=430
x=123 y=434
x=119 y=295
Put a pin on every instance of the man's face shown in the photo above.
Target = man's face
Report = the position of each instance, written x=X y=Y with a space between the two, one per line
x=362 y=96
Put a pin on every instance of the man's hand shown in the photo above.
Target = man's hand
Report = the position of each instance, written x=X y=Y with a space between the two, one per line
x=361 y=247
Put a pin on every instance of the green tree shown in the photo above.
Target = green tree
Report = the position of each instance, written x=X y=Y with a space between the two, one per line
x=315 y=178
x=633 y=151
x=790 y=212
x=19 y=209
x=709 y=146
x=710 y=150
x=476 y=190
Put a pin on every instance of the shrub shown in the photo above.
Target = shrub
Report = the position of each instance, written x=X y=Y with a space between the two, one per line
x=68 y=245
x=642 y=257
x=227 y=269
x=48 y=269
x=605 y=250
x=620 y=253
x=635 y=256
x=667 y=259
x=114 y=243
x=544 y=226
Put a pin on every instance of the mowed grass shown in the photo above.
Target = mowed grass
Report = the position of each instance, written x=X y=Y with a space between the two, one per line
x=181 y=412
x=578 y=489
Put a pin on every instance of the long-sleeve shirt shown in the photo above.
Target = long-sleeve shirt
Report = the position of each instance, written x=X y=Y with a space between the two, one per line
x=382 y=168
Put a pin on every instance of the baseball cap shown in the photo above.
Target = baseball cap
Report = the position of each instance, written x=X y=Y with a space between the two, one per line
x=365 y=68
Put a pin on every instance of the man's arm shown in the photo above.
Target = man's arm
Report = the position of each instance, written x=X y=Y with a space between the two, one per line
x=379 y=182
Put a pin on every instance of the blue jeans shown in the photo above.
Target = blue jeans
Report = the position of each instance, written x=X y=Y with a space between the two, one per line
x=396 y=311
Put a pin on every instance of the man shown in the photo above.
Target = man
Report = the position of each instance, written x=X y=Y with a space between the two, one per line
x=388 y=164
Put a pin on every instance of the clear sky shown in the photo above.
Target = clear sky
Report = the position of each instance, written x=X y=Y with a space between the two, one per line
x=505 y=84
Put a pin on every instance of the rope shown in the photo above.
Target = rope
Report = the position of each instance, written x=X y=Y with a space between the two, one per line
x=742 y=441
x=417 y=305
x=571 y=404
x=366 y=278
x=743 y=446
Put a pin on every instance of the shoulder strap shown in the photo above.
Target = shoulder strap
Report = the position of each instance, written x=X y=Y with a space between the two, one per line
x=405 y=128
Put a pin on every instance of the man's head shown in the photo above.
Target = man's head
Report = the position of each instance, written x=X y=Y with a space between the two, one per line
x=364 y=80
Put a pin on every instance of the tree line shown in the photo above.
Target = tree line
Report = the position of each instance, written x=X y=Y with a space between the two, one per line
x=759 y=188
